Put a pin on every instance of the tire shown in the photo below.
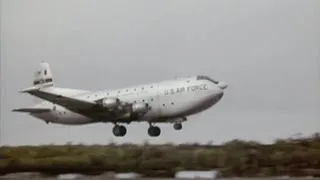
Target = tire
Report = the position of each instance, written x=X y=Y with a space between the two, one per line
x=119 y=130
x=154 y=131
x=177 y=126
x=116 y=130
x=123 y=130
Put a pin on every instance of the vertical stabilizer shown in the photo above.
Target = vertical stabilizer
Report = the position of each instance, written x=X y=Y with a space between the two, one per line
x=43 y=76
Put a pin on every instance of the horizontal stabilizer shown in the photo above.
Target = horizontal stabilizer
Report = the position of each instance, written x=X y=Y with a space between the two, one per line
x=32 y=110
x=30 y=89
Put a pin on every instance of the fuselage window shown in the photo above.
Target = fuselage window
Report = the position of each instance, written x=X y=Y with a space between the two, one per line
x=151 y=99
x=172 y=103
x=142 y=100
x=163 y=105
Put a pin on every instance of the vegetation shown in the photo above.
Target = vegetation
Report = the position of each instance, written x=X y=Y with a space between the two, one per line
x=295 y=157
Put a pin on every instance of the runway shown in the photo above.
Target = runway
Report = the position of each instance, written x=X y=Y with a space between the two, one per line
x=28 y=176
x=101 y=178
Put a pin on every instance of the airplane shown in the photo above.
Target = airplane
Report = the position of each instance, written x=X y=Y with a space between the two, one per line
x=168 y=101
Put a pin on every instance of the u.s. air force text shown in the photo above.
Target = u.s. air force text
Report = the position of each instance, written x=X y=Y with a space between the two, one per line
x=200 y=87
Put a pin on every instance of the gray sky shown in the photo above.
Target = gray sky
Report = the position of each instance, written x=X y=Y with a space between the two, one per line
x=267 y=51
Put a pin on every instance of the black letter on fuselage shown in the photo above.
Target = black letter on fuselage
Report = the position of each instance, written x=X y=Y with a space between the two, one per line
x=172 y=91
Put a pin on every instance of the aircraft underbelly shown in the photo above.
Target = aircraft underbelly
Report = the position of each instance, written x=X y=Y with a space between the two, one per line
x=182 y=106
x=72 y=118
x=61 y=115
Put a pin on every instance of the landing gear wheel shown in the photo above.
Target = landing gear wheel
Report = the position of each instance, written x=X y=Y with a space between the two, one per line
x=177 y=126
x=123 y=131
x=154 y=131
x=119 y=130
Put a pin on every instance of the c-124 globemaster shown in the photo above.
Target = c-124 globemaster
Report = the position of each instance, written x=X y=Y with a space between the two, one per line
x=169 y=101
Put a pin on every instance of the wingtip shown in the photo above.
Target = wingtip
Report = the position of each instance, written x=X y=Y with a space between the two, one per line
x=30 y=89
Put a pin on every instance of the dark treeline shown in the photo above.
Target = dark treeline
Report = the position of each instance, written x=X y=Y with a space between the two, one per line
x=294 y=157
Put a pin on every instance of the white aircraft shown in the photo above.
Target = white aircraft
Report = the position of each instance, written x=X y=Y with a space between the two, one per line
x=168 y=101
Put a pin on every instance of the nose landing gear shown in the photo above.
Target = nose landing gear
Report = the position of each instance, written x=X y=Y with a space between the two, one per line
x=177 y=126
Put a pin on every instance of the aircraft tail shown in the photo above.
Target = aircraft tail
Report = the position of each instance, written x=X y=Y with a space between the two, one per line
x=43 y=76
x=42 y=79
x=43 y=89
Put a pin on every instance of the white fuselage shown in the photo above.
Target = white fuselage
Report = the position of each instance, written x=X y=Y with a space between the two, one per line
x=167 y=100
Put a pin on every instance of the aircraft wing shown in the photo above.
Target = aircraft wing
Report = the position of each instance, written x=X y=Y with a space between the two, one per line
x=65 y=101
x=32 y=110
x=90 y=109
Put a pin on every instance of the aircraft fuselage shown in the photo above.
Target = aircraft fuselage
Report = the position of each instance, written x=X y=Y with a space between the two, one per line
x=168 y=101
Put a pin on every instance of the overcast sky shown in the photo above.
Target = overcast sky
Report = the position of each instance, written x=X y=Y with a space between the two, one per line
x=267 y=51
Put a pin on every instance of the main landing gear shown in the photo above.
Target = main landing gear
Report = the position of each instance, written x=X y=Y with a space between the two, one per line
x=119 y=130
x=154 y=131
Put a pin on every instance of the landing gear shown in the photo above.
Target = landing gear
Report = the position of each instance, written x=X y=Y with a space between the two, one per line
x=154 y=131
x=119 y=130
x=177 y=126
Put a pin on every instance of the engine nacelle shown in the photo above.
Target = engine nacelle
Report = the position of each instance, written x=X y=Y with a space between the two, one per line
x=110 y=102
x=140 y=107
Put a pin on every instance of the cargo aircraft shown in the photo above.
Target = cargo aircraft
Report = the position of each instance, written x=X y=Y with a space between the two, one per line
x=169 y=101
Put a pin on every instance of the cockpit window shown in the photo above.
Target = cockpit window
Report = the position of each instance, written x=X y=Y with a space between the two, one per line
x=206 y=78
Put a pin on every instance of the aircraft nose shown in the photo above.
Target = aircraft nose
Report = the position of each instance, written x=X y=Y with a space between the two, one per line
x=222 y=85
x=219 y=95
